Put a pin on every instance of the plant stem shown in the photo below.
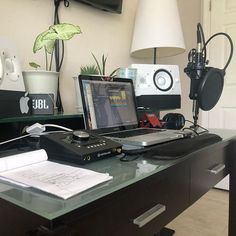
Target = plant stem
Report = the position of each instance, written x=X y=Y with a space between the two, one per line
x=104 y=59
x=51 y=59
x=46 y=57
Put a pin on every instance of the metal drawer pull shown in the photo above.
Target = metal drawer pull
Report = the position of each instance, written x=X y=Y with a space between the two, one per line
x=217 y=169
x=149 y=215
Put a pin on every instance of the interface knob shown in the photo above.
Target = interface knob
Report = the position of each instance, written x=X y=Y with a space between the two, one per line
x=80 y=135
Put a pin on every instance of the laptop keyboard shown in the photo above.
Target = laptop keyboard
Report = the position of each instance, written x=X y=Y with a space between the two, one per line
x=135 y=132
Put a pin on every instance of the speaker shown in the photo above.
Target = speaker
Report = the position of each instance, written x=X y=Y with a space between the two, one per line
x=157 y=86
x=157 y=79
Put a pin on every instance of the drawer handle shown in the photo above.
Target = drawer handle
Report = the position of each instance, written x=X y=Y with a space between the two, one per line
x=217 y=169
x=149 y=215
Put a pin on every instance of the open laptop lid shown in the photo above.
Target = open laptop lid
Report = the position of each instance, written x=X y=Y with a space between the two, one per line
x=108 y=106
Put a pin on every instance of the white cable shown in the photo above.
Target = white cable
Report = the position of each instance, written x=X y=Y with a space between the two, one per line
x=58 y=126
x=11 y=140
x=36 y=130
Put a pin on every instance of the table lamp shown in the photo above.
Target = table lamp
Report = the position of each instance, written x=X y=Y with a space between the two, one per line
x=157 y=30
x=157 y=33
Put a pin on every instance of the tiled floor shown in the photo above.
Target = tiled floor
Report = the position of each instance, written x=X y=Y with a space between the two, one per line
x=207 y=217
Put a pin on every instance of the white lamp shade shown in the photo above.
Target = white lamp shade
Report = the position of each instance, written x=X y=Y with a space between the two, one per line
x=157 y=25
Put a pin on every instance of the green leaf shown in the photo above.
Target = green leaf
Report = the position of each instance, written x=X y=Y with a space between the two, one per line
x=63 y=31
x=114 y=72
x=47 y=39
x=98 y=66
x=34 y=65
x=39 y=43
x=89 y=70
x=42 y=41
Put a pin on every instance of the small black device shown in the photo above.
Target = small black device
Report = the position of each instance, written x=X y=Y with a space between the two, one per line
x=114 y=6
x=80 y=146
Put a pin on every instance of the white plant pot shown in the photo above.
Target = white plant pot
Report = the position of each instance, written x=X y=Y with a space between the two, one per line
x=79 y=107
x=41 y=82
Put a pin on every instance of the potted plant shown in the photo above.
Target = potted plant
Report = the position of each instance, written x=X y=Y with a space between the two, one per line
x=102 y=68
x=46 y=81
x=97 y=69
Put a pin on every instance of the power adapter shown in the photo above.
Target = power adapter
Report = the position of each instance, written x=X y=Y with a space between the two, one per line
x=35 y=129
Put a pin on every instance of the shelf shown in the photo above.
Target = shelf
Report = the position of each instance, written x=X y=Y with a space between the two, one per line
x=38 y=118
x=12 y=127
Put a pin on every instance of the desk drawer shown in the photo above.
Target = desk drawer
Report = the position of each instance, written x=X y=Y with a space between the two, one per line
x=208 y=167
x=142 y=209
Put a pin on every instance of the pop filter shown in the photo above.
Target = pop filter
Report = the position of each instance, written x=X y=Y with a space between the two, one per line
x=210 y=88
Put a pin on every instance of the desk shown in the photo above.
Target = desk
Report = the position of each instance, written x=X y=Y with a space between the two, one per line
x=113 y=208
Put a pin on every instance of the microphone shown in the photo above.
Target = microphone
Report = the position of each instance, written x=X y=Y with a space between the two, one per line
x=195 y=67
x=206 y=83
x=194 y=70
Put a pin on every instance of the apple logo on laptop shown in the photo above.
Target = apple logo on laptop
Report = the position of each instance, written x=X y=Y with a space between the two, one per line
x=24 y=106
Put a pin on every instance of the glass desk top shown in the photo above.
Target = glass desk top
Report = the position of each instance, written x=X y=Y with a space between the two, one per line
x=38 y=118
x=124 y=174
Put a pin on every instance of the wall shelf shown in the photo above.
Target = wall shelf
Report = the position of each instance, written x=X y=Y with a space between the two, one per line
x=14 y=126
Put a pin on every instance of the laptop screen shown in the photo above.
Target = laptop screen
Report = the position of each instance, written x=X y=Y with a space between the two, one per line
x=108 y=104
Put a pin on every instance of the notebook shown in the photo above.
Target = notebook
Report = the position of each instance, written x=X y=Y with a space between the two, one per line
x=110 y=109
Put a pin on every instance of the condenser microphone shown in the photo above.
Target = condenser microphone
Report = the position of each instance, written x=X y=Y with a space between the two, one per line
x=196 y=67
x=206 y=82
x=195 y=70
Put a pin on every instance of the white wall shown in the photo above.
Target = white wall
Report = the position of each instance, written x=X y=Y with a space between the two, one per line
x=103 y=33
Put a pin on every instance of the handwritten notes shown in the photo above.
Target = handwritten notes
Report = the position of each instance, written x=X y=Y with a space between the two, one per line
x=58 y=179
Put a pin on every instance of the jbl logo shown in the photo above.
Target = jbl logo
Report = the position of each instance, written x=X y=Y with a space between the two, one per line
x=42 y=104
x=39 y=104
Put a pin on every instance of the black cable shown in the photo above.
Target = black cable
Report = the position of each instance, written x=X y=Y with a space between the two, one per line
x=197 y=125
x=124 y=158
x=56 y=21
x=231 y=46
x=58 y=60
x=194 y=131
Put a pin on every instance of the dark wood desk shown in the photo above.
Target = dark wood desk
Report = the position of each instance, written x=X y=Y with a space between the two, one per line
x=231 y=152
x=142 y=198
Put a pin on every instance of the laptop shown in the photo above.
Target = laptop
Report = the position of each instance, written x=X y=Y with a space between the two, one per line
x=110 y=109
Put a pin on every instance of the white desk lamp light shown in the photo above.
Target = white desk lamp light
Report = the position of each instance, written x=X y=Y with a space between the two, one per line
x=157 y=30
x=157 y=33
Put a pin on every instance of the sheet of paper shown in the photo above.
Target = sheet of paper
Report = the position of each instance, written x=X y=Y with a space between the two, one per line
x=23 y=159
x=58 y=179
